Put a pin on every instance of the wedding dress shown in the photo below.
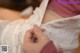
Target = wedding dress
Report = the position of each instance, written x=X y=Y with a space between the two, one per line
x=63 y=32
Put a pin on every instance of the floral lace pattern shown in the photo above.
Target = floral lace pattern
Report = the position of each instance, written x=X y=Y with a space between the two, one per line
x=64 y=33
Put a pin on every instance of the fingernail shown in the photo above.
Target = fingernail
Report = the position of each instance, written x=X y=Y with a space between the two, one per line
x=35 y=25
x=43 y=30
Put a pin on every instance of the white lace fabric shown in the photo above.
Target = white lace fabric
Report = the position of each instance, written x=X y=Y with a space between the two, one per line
x=13 y=33
x=63 y=32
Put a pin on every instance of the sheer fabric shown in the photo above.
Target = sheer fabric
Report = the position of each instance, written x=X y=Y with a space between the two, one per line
x=63 y=32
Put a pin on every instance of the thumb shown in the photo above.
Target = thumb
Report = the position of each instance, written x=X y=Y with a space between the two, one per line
x=37 y=31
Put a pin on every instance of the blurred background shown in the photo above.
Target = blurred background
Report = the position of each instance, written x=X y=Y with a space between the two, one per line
x=11 y=9
x=19 y=4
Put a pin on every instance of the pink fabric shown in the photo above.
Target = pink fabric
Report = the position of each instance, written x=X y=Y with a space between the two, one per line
x=50 y=48
x=65 y=9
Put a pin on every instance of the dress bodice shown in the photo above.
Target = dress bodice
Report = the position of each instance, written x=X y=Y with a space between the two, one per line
x=64 y=32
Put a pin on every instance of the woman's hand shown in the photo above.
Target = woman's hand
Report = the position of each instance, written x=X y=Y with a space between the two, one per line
x=29 y=46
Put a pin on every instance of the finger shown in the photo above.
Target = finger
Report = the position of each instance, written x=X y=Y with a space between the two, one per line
x=28 y=35
x=43 y=30
x=37 y=31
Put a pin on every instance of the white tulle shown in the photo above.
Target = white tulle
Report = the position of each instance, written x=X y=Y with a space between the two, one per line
x=63 y=32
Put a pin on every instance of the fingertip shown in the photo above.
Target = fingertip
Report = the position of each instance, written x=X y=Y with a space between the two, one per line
x=36 y=25
x=28 y=33
x=43 y=30
x=37 y=31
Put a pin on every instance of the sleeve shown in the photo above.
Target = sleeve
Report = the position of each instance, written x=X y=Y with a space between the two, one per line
x=50 y=48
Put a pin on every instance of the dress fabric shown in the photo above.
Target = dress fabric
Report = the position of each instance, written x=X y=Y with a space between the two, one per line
x=65 y=8
x=63 y=32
